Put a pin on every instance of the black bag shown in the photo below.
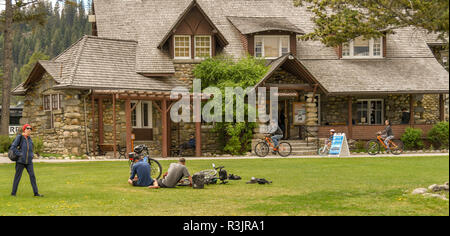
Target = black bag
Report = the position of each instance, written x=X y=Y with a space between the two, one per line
x=12 y=156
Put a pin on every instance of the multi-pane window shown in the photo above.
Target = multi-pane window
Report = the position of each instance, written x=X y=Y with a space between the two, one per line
x=182 y=46
x=363 y=48
x=141 y=116
x=370 y=112
x=202 y=46
x=271 y=46
x=52 y=102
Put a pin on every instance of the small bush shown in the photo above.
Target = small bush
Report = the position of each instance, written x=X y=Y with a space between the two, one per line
x=412 y=139
x=38 y=145
x=438 y=135
x=5 y=143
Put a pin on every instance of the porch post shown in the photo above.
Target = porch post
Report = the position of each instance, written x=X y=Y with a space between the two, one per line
x=100 y=121
x=198 y=125
x=441 y=107
x=411 y=110
x=93 y=121
x=350 y=118
x=114 y=125
x=128 y=124
x=164 y=127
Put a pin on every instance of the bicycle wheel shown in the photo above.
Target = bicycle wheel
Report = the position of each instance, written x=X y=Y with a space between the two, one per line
x=262 y=149
x=373 y=147
x=156 y=169
x=323 y=151
x=209 y=175
x=396 y=147
x=284 y=149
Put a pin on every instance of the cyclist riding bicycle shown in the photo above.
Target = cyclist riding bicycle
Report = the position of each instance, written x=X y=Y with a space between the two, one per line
x=387 y=135
x=330 y=139
x=275 y=132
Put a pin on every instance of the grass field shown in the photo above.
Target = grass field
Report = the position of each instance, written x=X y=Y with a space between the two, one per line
x=354 y=186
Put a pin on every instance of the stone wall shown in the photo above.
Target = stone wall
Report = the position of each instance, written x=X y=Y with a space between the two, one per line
x=334 y=110
x=67 y=135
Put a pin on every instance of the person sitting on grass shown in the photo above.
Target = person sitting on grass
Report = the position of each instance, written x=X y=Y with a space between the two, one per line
x=140 y=174
x=175 y=173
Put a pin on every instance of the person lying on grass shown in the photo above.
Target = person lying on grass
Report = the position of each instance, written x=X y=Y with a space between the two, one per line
x=141 y=168
x=175 y=174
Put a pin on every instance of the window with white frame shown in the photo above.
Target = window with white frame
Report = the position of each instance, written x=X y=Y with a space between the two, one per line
x=363 y=48
x=203 y=47
x=370 y=111
x=271 y=46
x=182 y=46
x=142 y=115
x=52 y=102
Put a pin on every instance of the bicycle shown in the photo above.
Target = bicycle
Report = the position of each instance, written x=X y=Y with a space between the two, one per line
x=323 y=151
x=210 y=176
x=373 y=147
x=155 y=166
x=263 y=147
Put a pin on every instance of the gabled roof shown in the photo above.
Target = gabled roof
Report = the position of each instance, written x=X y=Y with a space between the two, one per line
x=97 y=63
x=221 y=39
x=385 y=76
x=251 y=25
x=290 y=63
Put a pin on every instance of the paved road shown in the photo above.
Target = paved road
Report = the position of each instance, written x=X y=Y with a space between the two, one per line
x=5 y=160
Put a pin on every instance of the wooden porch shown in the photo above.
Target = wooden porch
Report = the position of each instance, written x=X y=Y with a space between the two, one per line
x=160 y=100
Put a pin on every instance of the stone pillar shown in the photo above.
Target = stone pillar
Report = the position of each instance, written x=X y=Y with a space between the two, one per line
x=312 y=116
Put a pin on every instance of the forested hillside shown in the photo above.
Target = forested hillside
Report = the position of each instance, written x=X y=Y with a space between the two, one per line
x=65 y=24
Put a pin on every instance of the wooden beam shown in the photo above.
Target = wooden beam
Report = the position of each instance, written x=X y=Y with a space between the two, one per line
x=350 y=117
x=114 y=126
x=198 y=130
x=100 y=121
x=441 y=107
x=164 y=128
x=198 y=139
x=128 y=124
x=93 y=122
x=303 y=87
x=411 y=110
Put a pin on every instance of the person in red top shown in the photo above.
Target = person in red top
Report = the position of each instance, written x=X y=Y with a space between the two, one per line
x=23 y=147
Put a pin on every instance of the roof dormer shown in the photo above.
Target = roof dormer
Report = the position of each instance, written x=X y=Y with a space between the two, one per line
x=193 y=35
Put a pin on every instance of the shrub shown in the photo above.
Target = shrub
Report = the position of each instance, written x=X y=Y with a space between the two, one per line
x=38 y=145
x=412 y=139
x=223 y=72
x=438 y=135
x=5 y=143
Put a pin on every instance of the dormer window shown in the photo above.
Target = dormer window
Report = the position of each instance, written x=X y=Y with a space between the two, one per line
x=363 y=48
x=182 y=46
x=203 y=47
x=271 y=46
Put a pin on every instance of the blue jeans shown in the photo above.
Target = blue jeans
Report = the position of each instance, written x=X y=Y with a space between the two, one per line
x=276 y=139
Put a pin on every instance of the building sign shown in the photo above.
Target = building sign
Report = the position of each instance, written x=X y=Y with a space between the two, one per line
x=339 y=146
x=13 y=130
x=299 y=113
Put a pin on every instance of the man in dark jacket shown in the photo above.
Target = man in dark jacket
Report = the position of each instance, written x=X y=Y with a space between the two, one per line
x=25 y=161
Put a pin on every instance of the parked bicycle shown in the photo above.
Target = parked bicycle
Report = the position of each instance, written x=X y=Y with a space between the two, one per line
x=211 y=176
x=263 y=148
x=374 y=146
x=155 y=166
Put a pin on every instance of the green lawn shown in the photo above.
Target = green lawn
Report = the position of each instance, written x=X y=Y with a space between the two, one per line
x=355 y=186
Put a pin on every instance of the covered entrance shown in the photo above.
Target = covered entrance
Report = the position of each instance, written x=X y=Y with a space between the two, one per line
x=298 y=97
